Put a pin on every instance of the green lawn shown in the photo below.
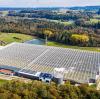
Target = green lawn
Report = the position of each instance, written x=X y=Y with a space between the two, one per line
x=73 y=47
x=14 y=37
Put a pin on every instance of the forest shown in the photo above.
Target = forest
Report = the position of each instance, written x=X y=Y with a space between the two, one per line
x=39 y=90
x=70 y=27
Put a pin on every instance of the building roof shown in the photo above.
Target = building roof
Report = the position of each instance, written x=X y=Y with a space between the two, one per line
x=5 y=71
x=1 y=47
x=80 y=65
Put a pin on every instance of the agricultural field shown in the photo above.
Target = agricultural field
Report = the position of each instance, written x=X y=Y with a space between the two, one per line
x=93 y=21
x=68 y=23
x=97 y=16
x=4 y=13
x=6 y=38
x=63 y=22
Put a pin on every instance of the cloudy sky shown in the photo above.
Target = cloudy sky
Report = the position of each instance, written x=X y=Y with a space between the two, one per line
x=47 y=3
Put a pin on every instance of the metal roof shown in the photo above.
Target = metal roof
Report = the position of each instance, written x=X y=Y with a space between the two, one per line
x=80 y=65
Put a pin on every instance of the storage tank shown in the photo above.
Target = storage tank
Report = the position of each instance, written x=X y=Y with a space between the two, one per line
x=59 y=75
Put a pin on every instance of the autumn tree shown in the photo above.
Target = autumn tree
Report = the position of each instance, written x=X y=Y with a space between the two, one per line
x=82 y=40
x=47 y=34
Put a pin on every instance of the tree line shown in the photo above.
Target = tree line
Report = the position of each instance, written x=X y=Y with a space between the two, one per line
x=40 y=90
x=60 y=32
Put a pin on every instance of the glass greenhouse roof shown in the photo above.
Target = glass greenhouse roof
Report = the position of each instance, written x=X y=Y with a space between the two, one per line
x=80 y=65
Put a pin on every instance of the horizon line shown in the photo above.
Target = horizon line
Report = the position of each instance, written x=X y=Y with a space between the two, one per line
x=51 y=6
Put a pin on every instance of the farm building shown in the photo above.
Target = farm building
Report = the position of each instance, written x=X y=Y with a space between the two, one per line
x=35 y=61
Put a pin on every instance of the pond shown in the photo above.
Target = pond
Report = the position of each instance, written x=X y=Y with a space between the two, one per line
x=36 y=41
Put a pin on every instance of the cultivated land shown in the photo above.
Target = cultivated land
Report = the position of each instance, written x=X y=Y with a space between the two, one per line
x=93 y=21
x=7 y=38
x=61 y=22
x=50 y=43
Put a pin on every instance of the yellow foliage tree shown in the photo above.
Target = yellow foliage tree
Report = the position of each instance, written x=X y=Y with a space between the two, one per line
x=47 y=33
x=76 y=38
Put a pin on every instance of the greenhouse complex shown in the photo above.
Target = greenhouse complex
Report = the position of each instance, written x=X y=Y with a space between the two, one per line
x=50 y=63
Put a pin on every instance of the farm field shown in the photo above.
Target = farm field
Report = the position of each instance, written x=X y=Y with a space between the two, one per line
x=62 y=22
x=97 y=16
x=6 y=38
x=93 y=21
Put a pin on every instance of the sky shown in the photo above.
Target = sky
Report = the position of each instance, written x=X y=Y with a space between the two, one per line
x=48 y=3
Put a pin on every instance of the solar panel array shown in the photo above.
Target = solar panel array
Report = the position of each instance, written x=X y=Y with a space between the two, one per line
x=79 y=65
